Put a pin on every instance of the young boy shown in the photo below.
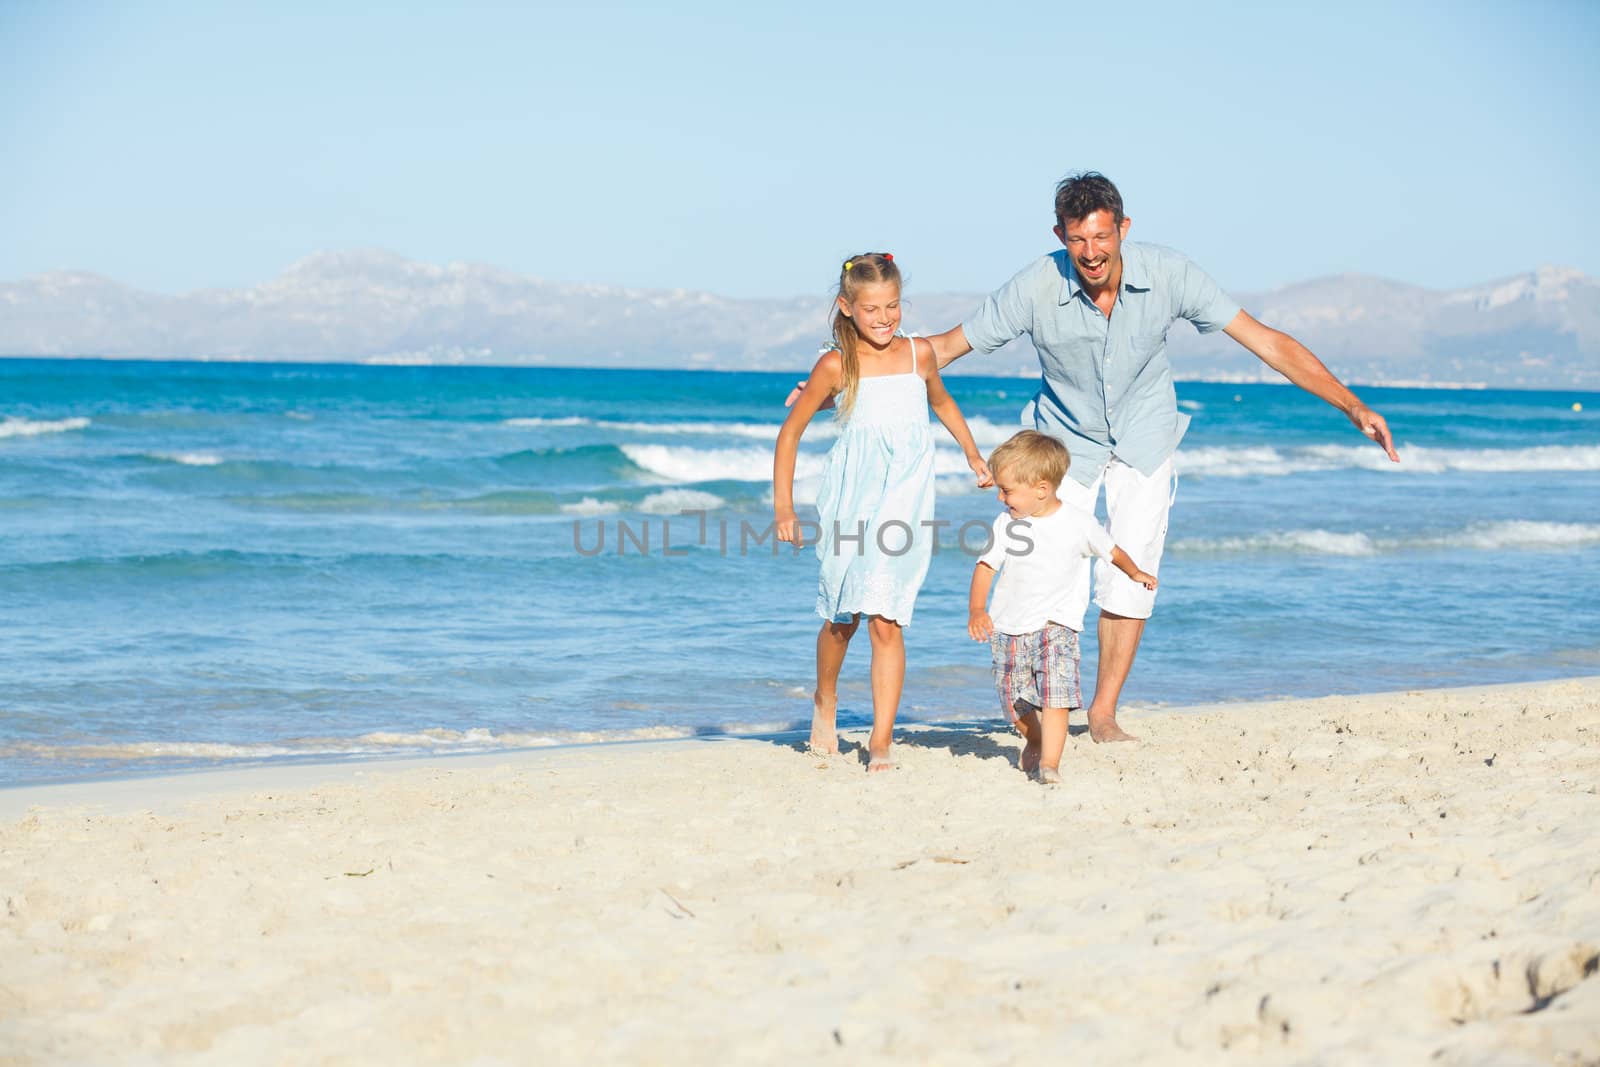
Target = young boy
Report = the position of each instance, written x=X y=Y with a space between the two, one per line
x=1040 y=549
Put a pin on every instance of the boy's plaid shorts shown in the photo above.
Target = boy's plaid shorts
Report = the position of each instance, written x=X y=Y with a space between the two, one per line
x=1036 y=670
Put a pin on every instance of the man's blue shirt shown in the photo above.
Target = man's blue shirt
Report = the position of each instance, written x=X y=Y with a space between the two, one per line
x=1107 y=388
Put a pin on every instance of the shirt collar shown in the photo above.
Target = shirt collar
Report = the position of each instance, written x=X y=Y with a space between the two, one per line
x=1135 y=275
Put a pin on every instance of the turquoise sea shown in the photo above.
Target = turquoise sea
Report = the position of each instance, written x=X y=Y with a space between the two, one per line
x=208 y=564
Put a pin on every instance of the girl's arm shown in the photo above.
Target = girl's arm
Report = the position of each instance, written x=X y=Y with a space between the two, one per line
x=1120 y=560
x=944 y=406
x=825 y=379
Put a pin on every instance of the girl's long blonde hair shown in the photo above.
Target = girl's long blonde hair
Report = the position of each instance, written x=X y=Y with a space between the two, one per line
x=869 y=268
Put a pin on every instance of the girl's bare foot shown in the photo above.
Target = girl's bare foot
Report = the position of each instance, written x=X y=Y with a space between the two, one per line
x=879 y=761
x=824 y=727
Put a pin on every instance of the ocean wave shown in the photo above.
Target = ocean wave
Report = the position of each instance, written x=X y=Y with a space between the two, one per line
x=591 y=506
x=426 y=741
x=1308 y=542
x=685 y=463
x=674 y=501
x=1265 y=460
x=986 y=433
x=11 y=426
x=189 y=459
x=1519 y=533
x=759 y=430
x=1514 y=534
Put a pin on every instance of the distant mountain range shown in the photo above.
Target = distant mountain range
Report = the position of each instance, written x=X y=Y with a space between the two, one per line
x=1540 y=329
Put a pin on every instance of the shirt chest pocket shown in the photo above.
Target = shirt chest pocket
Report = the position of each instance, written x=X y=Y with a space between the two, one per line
x=1072 y=343
x=1143 y=347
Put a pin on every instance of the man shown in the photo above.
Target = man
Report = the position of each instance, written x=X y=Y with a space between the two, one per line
x=1098 y=314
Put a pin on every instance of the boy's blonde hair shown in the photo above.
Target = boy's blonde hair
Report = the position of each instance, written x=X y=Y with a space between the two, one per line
x=1031 y=457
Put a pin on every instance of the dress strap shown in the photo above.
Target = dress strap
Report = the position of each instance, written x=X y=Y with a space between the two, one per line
x=913 y=341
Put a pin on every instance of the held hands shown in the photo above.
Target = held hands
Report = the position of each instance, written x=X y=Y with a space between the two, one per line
x=1371 y=424
x=981 y=469
x=979 y=625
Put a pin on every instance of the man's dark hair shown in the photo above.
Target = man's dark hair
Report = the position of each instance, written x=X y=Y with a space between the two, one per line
x=1080 y=195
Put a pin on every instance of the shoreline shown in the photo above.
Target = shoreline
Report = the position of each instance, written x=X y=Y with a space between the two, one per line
x=300 y=771
x=289 y=772
x=1403 y=877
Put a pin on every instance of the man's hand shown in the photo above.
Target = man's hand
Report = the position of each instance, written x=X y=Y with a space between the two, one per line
x=979 y=626
x=799 y=388
x=1371 y=423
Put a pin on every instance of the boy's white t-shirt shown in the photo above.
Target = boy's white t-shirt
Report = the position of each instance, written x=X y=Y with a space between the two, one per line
x=1043 y=565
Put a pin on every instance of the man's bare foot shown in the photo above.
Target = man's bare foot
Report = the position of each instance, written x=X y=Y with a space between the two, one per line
x=1104 y=728
x=824 y=727
x=1029 y=760
x=1049 y=776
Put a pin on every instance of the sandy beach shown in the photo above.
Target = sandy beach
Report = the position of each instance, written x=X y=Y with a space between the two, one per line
x=1398 y=878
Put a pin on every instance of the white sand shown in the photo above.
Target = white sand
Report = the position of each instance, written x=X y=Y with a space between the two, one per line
x=1403 y=878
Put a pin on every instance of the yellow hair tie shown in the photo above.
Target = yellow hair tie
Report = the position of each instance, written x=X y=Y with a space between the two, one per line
x=849 y=263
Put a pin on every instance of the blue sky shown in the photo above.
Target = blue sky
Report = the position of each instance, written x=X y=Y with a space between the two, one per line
x=745 y=149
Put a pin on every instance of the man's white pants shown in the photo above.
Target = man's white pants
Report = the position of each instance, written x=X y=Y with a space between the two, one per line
x=1136 y=509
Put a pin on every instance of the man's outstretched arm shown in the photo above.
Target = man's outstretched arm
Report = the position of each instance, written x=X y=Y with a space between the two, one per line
x=1296 y=362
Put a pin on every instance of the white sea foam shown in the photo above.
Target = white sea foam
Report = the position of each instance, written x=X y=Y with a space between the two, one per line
x=987 y=434
x=1500 y=460
x=1264 y=460
x=1309 y=542
x=191 y=459
x=684 y=463
x=821 y=426
x=150 y=750
x=1519 y=534
x=571 y=420
x=1516 y=534
x=673 y=501
x=1221 y=462
x=590 y=506
x=11 y=426
x=377 y=743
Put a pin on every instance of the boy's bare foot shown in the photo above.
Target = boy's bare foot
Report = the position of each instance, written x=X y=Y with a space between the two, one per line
x=1029 y=761
x=824 y=727
x=1104 y=728
x=1049 y=776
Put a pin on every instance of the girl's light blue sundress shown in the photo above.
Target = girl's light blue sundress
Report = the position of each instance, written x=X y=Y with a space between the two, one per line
x=876 y=501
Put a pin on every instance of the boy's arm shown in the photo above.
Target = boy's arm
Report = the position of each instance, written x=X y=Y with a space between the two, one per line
x=944 y=405
x=979 y=625
x=822 y=384
x=1120 y=560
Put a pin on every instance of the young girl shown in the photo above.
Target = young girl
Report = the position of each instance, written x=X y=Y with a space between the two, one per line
x=876 y=499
